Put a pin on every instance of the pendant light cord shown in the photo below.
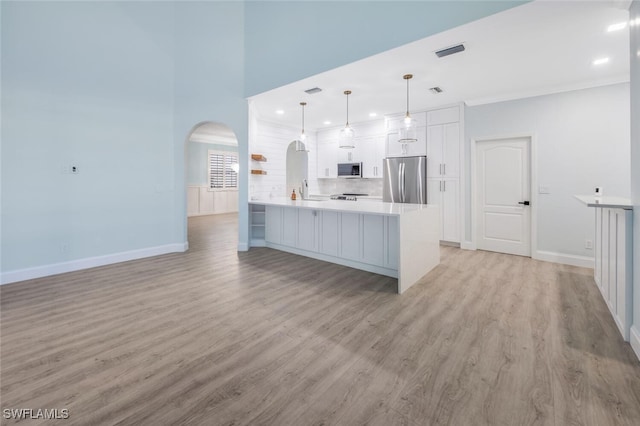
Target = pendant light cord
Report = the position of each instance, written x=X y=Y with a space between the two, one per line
x=303 y=104
x=407 y=77
x=347 y=92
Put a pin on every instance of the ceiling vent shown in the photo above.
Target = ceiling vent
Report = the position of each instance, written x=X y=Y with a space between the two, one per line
x=436 y=90
x=450 y=50
x=312 y=91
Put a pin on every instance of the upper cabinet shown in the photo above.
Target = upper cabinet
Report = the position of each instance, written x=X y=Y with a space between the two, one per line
x=369 y=150
x=443 y=150
x=372 y=154
x=327 y=157
x=396 y=149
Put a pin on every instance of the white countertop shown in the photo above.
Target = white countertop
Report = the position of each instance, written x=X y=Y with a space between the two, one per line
x=606 y=202
x=371 y=206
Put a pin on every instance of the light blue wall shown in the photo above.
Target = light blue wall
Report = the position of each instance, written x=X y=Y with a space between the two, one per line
x=115 y=88
x=209 y=86
x=635 y=164
x=197 y=160
x=287 y=41
x=88 y=84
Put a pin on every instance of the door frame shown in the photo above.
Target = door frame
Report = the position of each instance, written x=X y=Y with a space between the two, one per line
x=533 y=170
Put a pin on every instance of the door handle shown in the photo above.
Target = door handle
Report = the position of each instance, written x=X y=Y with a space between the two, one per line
x=440 y=168
x=526 y=203
x=444 y=169
x=444 y=185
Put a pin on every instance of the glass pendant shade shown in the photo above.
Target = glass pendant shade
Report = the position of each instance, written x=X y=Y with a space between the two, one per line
x=345 y=139
x=408 y=131
x=347 y=135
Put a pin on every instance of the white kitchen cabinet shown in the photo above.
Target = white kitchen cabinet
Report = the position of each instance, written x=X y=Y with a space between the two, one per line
x=350 y=243
x=613 y=264
x=327 y=158
x=373 y=239
x=329 y=232
x=307 y=229
x=273 y=224
x=443 y=115
x=443 y=150
x=446 y=194
x=289 y=226
x=372 y=149
x=346 y=155
x=396 y=149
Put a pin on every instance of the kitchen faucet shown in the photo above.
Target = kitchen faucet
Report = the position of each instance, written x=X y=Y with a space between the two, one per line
x=304 y=189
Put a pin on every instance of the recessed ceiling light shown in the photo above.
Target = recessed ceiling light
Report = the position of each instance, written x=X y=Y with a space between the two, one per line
x=279 y=112
x=617 y=27
x=600 y=61
x=373 y=114
x=326 y=122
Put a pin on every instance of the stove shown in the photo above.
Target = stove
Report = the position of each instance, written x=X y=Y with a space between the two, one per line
x=347 y=196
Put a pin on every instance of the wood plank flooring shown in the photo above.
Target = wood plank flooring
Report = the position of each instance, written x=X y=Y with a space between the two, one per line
x=216 y=337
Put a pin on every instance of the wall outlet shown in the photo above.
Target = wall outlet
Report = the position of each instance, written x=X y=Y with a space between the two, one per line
x=75 y=170
x=588 y=244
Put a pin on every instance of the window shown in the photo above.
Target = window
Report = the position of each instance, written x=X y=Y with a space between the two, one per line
x=222 y=168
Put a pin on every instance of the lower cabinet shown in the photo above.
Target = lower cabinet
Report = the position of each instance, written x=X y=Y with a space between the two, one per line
x=350 y=236
x=373 y=239
x=273 y=224
x=445 y=193
x=613 y=264
x=329 y=231
x=307 y=229
x=289 y=226
x=359 y=237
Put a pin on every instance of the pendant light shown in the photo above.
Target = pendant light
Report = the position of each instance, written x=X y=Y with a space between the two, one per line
x=408 y=130
x=300 y=145
x=345 y=139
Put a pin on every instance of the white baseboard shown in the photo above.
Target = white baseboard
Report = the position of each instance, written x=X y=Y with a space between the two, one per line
x=89 y=262
x=565 y=259
x=468 y=245
x=634 y=340
x=258 y=242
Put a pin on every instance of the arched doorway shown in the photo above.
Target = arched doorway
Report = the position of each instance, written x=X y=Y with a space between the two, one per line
x=211 y=170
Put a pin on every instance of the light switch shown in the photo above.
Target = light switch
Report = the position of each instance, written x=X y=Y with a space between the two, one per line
x=543 y=190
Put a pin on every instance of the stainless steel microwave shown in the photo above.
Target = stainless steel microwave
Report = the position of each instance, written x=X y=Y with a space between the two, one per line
x=350 y=170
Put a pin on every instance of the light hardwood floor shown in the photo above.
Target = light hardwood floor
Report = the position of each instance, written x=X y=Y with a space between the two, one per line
x=216 y=337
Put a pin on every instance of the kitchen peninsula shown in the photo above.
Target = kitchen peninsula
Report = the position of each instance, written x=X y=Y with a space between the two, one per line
x=396 y=240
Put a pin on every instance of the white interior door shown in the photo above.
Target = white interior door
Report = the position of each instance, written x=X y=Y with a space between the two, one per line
x=502 y=196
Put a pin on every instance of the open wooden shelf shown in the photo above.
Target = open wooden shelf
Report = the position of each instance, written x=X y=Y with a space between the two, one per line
x=258 y=157
x=258 y=172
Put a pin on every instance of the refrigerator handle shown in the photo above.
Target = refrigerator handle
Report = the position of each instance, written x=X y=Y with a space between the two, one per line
x=400 y=181
x=403 y=183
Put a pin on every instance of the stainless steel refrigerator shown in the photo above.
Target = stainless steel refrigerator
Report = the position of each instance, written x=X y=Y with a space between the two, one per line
x=405 y=180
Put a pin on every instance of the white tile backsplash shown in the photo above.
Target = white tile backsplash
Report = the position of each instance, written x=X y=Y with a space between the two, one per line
x=372 y=187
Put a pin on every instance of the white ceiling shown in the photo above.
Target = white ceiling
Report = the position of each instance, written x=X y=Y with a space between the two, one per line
x=537 y=48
